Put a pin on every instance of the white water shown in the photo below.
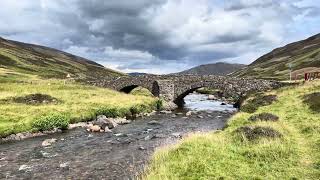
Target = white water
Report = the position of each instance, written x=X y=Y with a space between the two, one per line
x=200 y=102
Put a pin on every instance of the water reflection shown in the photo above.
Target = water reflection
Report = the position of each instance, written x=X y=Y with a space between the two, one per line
x=200 y=102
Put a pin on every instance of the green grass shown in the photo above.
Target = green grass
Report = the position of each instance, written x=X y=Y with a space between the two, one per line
x=141 y=91
x=77 y=102
x=208 y=91
x=225 y=155
x=49 y=63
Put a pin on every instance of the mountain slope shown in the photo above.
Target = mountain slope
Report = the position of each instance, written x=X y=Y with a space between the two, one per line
x=47 y=62
x=304 y=56
x=219 y=68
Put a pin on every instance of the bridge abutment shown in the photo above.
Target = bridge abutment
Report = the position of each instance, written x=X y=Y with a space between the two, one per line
x=165 y=89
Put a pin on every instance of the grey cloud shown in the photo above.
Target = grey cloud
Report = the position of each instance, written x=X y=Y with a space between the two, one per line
x=168 y=32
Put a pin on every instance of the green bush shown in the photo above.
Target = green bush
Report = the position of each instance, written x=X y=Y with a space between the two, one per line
x=51 y=121
x=108 y=111
x=139 y=108
x=159 y=104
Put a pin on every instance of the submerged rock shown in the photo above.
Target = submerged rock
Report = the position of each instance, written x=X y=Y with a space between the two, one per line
x=154 y=122
x=176 y=135
x=121 y=121
x=48 y=142
x=120 y=135
x=173 y=116
x=107 y=130
x=64 y=165
x=149 y=137
x=165 y=112
x=25 y=168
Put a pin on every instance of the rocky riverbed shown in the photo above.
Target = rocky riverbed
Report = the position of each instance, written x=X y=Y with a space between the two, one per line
x=120 y=154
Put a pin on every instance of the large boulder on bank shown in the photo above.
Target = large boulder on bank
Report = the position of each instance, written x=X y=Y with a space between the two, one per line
x=103 y=122
x=48 y=142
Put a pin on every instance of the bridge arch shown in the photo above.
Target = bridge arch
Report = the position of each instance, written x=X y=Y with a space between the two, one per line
x=128 y=89
x=183 y=91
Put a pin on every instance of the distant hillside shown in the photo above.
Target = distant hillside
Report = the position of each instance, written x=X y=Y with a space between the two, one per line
x=219 y=68
x=47 y=62
x=136 y=74
x=304 y=56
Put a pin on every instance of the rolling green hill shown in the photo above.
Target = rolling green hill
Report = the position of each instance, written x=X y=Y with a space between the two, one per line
x=28 y=59
x=304 y=56
x=219 y=68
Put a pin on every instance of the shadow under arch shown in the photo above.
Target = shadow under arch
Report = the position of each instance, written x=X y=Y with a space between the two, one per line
x=155 y=89
x=128 y=89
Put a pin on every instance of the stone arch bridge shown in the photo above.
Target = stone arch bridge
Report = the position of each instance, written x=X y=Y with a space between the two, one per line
x=175 y=88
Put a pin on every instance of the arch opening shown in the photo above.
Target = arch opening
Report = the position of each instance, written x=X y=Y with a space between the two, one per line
x=217 y=93
x=155 y=89
x=128 y=89
x=179 y=101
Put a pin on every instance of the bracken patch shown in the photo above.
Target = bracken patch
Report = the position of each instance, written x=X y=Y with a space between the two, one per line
x=264 y=117
x=253 y=133
x=313 y=101
x=35 y=99
x=252 y=105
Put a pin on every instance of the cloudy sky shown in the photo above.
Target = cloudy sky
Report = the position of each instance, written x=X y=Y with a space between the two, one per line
x=160 y=36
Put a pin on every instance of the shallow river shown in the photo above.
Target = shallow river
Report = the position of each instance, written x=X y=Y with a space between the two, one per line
x=78 y=154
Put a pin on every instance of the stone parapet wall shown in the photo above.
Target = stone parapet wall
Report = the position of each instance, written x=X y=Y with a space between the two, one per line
x=173 y=88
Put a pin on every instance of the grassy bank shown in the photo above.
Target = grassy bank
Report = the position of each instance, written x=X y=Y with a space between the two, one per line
x=292 y=154
x=71 y=101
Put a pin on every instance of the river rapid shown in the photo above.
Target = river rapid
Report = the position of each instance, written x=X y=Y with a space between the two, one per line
x=122 y=154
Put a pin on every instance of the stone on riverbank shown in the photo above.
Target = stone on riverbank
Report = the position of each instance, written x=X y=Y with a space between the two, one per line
x=103 y=122
x=189 y=113
x=211 y=97
x=93 y=128
x=25 y=168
